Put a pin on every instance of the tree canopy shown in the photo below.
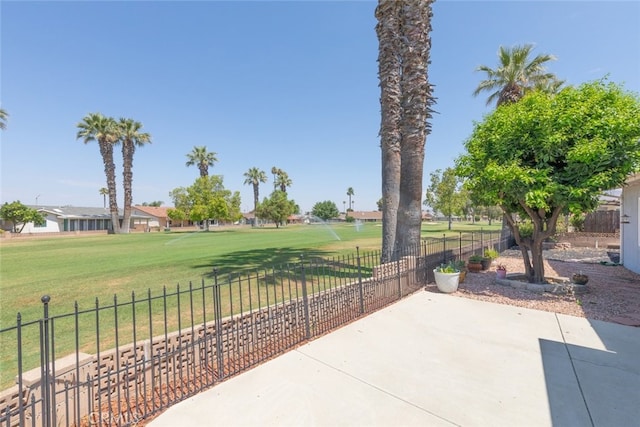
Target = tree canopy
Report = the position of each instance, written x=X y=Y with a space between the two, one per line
x=549 y=154
x=276 y=208
x=516 y=75
x=325 y=210
x=205 y=200
x=445 y=194
x=3 y=119
x=20 y=215
x=201 y=158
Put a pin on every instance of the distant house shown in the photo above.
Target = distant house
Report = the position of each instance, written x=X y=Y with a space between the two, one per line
x=157 y=214
x=73 y=219
x=249 y=218
x=365 y=216
x=630 y=224
x=376 y=216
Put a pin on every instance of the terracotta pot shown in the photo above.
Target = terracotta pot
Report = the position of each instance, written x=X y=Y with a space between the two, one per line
x=474 y=267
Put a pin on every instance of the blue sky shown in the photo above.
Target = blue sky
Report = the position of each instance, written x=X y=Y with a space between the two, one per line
x=263 y=83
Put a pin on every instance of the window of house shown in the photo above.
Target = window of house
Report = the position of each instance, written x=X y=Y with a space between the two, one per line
x=40 y=224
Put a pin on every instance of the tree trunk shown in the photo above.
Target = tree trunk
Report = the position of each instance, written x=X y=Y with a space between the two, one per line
x=388 y=32
x=544 y=226
x=128 y=150
x=416 y=100
x=106 y=150
x=256 y=198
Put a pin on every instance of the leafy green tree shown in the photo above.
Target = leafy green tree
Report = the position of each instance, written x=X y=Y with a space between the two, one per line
x=254 y=177
x=325 y=210
x=20 y=215
x=403 y=31
x=104 y=130
x=207 y=199
x=493 y=212
x=516 y=75
x=548 y=154
x=3 y=119
x=155 y=203
x=202 y=158
x=445 y=194
x=276 y=208
x=181 y=200
x=176 y=214
x=380 y=204
x=131 y=136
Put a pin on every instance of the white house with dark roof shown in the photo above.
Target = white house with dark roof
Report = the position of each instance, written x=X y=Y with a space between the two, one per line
x=74 y=219
x=630 y=224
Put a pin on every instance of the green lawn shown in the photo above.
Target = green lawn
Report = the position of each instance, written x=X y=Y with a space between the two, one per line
x=83 y=268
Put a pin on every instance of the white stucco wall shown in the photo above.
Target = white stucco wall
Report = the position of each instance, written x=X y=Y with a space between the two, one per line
x=630 y=232
x=52 y=226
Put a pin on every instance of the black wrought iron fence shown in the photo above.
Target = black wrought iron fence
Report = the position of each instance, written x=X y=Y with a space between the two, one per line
x=127 y=360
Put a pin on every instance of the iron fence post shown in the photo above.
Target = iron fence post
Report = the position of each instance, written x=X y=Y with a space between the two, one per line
x=46 y=381
x=460 y=245
x=20 y=401
x=360 y=285
x=305 y=300
x=217 y=311
x=399 y=275
x=444 y=248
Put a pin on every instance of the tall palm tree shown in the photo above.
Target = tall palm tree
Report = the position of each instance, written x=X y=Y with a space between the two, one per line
x=516 y=74
x=104 y=130
x=130 y=136
x=350 y=193
x=416 y=100
x=104 y=192
x=3 y=119
x=406 y=98
x=275 y=172
x=388 y=32
x=202 y=158
x=254 y=177
x=283 y=181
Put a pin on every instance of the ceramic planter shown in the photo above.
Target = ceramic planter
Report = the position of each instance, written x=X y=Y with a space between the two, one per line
x=447 y=282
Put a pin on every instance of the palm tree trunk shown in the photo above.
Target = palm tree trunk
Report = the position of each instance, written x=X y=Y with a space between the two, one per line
x=106 y=150
x=256 y=199
x=128 y=150
x=416 y=102
x=388 y=30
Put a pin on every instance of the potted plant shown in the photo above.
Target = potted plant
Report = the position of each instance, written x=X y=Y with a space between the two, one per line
x=501 y=271
x=475 y=263
x=489 y=256
x=447 y=278
x=460 y=265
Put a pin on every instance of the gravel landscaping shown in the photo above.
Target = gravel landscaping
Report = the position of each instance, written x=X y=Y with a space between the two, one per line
x=613 y=291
